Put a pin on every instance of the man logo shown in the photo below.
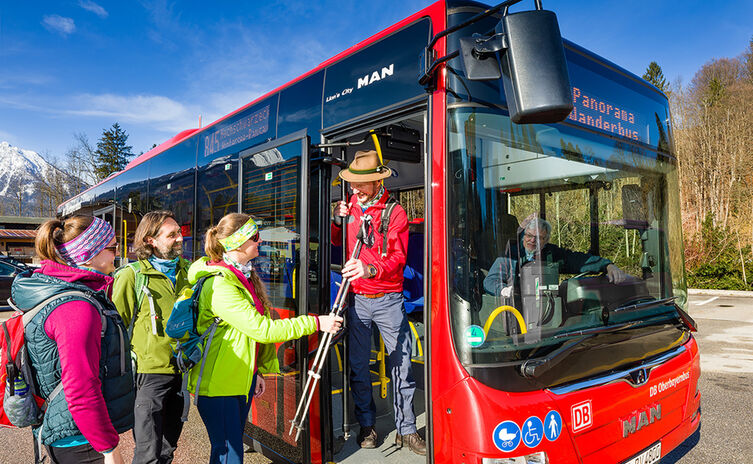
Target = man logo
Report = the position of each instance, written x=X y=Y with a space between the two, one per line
x=375 y=76
x=581 y=416
x=640 y=419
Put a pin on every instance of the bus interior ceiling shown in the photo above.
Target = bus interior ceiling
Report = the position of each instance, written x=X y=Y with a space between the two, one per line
x=402 y=144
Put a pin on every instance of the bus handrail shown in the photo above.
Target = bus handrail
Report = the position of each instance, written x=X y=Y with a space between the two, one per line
x=500 y=310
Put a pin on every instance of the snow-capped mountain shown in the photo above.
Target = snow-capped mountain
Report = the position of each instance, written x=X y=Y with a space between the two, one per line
x=22 y=174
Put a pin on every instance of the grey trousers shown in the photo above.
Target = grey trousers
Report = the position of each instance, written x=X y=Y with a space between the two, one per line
x=388 y=313
x=157 y=424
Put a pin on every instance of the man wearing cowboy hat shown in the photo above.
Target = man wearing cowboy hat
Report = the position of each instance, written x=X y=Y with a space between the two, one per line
x=377 y=282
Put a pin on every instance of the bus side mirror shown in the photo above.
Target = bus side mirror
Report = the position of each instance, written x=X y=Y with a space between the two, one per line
x=531 y=64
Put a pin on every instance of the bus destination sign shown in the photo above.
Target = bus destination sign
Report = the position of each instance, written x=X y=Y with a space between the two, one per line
x=242 y=130
x=597 y=112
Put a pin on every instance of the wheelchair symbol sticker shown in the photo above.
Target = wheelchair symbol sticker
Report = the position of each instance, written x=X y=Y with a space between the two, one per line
x=532 y=432
x=506 y=436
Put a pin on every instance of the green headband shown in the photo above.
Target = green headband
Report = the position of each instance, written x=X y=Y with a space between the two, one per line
x=246 y=231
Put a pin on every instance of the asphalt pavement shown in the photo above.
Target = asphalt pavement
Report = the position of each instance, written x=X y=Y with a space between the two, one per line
x=725 y=339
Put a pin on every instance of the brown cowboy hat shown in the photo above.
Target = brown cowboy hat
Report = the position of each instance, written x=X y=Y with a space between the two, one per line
x=365 y=168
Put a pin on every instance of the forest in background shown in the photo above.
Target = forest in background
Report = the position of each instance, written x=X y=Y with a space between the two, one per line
x=713 y=137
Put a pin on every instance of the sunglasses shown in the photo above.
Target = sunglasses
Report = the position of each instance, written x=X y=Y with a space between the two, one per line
x=255 y=238
x=112 y=248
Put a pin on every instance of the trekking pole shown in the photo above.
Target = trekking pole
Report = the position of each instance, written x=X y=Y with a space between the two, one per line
x=314 y=374
x=345 y=343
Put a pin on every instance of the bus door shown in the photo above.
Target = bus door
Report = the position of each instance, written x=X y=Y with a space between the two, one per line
x=401 y=139
x=273 y=183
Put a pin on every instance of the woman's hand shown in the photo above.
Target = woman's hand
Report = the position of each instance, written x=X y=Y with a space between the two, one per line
x=261 y=386
x=330 y=323
x=114 y=457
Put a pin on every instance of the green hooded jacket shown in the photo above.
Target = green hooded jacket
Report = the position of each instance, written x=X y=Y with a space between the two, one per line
x=231 y=359
x=154 y=355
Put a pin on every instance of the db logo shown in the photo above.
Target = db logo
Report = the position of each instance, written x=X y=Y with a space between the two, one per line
x=582 y=417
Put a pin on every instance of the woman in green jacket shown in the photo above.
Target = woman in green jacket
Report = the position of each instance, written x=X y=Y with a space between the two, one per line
x=236 y=295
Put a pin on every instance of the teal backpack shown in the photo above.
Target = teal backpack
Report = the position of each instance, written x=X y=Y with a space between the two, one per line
x=190 y=346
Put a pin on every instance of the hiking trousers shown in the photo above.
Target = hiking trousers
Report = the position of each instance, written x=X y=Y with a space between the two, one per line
x=388 y=314
x=225 y=419
x=157 y=424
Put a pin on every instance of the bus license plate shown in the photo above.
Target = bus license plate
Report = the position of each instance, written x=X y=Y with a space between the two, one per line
x=650 y=456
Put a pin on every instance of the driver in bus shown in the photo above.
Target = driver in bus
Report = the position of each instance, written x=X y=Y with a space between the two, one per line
x=533 y=245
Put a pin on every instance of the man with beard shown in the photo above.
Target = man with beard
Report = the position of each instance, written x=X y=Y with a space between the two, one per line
x=144 y=293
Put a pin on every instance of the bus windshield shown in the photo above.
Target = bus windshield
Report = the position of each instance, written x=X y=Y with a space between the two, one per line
x=556 y=233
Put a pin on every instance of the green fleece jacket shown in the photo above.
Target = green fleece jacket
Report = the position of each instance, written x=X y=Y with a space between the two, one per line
x=231 y=358
x=154 y=354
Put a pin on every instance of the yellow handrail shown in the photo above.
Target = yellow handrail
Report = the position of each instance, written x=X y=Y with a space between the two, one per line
x=502 y=309
x=377 y=146
x=125 y=234
x=418 y=342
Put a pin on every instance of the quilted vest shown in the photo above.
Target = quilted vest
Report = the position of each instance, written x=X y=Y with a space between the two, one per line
x=115 y=370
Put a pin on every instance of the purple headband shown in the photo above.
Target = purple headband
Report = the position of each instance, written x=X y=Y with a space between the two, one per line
x=88 y=244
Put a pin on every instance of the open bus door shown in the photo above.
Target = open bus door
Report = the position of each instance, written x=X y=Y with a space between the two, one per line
x=274 y=187
x=402 y=138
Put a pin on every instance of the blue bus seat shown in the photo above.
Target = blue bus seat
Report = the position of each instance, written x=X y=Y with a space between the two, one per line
x=413 y=276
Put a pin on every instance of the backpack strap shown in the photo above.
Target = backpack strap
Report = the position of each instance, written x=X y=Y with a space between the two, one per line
x=384 y=224
x=10 y=368
x=77 y=294
x=152 y=310
x=207 y=333
x=140 y=289
x=52 y=396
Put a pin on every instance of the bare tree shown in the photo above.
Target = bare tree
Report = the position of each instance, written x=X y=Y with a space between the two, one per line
x=81 y=162
x=713 y=134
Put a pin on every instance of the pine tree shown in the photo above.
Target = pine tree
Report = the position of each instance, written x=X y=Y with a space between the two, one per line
x=112 y=153
x=655 y=76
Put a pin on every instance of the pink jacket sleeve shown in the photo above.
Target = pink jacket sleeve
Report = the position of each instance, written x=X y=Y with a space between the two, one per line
x=75 y=326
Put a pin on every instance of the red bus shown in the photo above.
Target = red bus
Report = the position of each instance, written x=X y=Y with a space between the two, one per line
x=567 y=366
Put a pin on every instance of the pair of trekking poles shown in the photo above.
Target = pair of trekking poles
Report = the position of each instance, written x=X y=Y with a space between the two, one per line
x=314 y=374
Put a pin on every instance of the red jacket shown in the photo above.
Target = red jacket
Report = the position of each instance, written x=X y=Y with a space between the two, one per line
x=389 y=277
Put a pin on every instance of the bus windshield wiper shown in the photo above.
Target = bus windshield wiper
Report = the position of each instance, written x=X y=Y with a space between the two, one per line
x=683 y=316
x=535 y=367
x=635 y=307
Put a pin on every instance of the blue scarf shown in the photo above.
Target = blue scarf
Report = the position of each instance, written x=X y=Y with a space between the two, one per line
x=374 y=200
x=169 y=267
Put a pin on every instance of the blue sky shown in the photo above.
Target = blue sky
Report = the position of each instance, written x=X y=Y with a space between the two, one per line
x=154 y=66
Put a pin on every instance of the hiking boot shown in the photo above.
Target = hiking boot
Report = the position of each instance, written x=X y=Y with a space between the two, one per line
x=413 y=441
x=367 y=437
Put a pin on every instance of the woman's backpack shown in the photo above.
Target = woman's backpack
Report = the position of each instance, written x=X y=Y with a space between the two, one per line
x=190 y=346
x=20 y=405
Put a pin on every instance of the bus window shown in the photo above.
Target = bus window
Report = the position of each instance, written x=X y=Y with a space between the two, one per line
x=217 y=193
x=557 y=275
x=131 y=197
x=171 y=187
x=271 y=192
x=300 y=106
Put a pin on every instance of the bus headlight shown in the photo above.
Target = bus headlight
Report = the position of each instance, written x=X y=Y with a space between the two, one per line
x=533 y=458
